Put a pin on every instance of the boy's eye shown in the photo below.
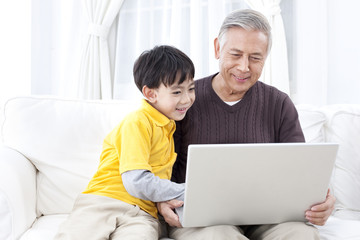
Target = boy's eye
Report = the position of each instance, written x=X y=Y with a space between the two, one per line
x=176 y=92
x=192 y=89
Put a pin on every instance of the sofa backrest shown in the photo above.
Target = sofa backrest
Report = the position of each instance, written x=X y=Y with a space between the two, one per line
x=339 y=124
x=63 y=139
x=312 y=122
x=343 y=127
x=1 y=120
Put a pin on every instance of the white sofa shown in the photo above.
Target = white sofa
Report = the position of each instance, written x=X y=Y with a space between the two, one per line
x=51 y=149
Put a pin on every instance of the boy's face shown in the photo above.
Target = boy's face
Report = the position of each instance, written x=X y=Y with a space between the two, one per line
x=174 y=101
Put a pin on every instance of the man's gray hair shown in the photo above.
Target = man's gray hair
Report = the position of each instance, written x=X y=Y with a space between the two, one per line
x=249 y=20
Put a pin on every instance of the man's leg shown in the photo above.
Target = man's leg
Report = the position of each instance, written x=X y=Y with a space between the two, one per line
x=164 y=227
x=282 y=231
x=207 y=233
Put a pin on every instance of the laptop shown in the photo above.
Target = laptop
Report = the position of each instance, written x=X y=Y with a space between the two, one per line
x=246 y=184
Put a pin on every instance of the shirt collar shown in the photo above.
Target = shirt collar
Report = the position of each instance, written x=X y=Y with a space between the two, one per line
x=159 y=118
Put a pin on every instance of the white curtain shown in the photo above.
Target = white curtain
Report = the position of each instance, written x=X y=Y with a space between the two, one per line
x=276 y=71
x=318 y=54
x=95 y=80
x=15 y=49
x=188 y=25
x=327 y=59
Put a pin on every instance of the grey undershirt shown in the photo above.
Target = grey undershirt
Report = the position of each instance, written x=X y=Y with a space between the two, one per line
x=145 y=185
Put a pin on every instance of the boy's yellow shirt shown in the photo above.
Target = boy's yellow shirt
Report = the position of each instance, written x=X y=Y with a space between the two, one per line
x=143 y=140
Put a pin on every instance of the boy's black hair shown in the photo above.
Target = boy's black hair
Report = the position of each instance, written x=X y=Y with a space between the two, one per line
x=162 y=64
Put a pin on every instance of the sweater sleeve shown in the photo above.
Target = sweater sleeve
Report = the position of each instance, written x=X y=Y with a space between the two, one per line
x=290 y=128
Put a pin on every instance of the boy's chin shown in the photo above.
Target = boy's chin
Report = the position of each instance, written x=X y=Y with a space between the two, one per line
x=179 y=118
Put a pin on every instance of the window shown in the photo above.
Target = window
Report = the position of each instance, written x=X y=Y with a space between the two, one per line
x=188 y=25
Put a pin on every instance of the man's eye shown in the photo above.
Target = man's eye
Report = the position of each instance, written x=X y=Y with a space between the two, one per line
x=255 y=58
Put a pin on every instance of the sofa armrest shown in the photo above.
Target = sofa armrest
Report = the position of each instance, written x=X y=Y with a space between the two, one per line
x=17 y=194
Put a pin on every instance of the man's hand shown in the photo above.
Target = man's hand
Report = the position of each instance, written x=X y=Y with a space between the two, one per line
x=319 y=214
x=166 y=209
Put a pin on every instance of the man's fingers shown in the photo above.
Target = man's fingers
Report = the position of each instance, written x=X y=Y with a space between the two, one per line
x=319 y=214
x=328 y=205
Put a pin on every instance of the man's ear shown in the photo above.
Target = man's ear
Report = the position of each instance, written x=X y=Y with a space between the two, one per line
x=217 y=48
x=149 y=94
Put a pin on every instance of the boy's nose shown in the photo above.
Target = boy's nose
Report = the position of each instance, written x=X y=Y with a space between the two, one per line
x=186 y=98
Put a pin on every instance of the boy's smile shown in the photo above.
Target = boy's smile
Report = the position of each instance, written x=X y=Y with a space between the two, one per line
x=182 y=110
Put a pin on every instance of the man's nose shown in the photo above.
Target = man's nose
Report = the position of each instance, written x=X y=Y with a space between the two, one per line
x=243 y=64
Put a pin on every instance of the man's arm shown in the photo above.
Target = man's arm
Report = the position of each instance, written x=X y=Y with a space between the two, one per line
x=145 y=185
x=291 y=132
x=289 y=126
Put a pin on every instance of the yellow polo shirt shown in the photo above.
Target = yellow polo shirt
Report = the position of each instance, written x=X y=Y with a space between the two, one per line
x=143 y=140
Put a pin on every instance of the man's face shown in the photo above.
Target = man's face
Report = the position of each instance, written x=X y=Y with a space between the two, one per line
x=241 y=59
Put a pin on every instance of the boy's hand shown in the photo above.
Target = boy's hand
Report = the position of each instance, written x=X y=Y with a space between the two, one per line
x=166 y=209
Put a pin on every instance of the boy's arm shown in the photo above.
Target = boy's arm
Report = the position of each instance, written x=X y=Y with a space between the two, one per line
x=145 y=185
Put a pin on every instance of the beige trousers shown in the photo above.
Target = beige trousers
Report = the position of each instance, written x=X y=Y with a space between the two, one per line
x=98 y=217
x=283 y=231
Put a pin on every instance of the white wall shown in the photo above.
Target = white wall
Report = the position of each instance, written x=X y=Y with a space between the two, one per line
x=326 y=62
x=344 y=51
x=15 y=45
x=57 y=28
x=325 y=35
x=42 y=45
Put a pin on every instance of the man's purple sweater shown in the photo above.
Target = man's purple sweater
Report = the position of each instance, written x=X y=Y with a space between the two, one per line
x=264 y=115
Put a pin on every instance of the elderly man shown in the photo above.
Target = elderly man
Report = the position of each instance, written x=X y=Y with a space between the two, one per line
x=232 y=106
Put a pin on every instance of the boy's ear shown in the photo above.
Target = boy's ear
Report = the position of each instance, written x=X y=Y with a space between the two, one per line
x=149 y=94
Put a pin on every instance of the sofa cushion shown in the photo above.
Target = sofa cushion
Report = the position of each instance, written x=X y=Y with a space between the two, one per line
x=44 y=227
x=343 y=127
x=17 y=193
x=337 y=228
x=63 y=139
x=1 y=122
x=312 y=122
x=6 y=217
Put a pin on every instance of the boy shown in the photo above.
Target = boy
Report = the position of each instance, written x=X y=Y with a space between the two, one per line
x=138 y=155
